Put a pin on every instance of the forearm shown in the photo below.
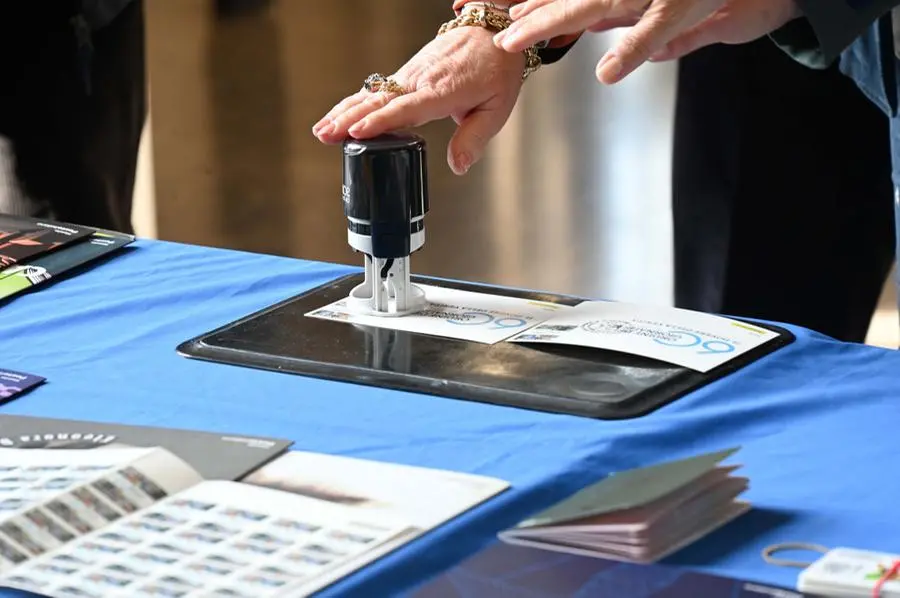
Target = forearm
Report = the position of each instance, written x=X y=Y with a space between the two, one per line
x=827 y=28
x=555 y=49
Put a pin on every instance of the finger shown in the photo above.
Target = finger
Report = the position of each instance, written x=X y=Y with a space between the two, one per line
x=684 y=44
x=707 y=33
x=411 y=110
x=347 y=119
x=648 y=36
x=607 y=24
x=522 y=9
x=475 y=131
x=597 y=27
x=560 y=17
x=339 y=108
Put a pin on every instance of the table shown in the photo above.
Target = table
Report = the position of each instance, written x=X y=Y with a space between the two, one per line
x=819 y=421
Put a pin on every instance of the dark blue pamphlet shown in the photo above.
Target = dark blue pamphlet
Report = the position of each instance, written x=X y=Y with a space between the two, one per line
x=505 y=570
x=13 y=384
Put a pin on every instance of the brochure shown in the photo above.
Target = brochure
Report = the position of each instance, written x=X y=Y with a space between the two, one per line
x=126 y=522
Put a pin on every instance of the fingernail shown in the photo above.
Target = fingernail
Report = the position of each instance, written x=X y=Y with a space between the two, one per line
x=498 y=39
x=610 y=68
x=509 y=39
x=463 y=162
x=358 y=127
x=320 y=126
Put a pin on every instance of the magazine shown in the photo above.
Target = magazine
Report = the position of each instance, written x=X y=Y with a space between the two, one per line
x=39 y=269
x=135 y=522
x=24 y=238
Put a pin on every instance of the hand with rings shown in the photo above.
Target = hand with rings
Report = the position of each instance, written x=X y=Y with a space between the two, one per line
x=376 y=82
x=460 y=74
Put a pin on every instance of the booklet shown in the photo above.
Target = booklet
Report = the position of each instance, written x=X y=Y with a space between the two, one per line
x=125 y=522
x=213 y=455
x=641 y=515
x=504 y=570
x=38 y=270
x=14 y=384
x=24 y=238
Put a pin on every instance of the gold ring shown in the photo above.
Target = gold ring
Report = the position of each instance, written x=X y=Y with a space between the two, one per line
x=378 y=82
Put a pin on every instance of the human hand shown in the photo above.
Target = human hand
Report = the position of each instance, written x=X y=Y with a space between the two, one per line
x=658 y=28
x=460 y=74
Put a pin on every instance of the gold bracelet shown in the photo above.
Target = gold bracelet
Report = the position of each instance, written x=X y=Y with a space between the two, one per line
x=485 y=14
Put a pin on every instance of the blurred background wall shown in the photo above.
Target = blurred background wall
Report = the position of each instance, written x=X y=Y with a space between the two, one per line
x=573 y=196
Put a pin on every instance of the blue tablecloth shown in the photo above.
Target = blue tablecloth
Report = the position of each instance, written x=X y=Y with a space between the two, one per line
x=819 y=421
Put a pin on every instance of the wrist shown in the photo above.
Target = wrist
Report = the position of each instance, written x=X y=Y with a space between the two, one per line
x=556 y=42
x=494 y=19
x=458 y=5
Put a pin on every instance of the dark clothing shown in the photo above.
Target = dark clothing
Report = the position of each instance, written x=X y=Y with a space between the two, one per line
x=72 y=107
x=782 y=201
x=829 y=27
x=782 y=176
x=99 y=13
